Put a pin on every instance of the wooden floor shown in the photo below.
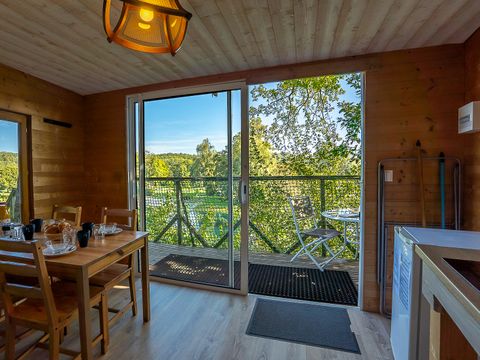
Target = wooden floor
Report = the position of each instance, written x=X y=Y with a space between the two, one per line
x=198 y=324
x=158 y=251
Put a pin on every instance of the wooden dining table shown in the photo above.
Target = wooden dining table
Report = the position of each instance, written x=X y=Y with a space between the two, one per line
x=83 y=263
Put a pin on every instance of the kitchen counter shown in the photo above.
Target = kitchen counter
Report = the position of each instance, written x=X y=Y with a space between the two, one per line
x=451 y=287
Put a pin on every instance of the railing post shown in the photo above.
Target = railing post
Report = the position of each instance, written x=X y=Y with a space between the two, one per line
x=179 y=214
x=322 y=209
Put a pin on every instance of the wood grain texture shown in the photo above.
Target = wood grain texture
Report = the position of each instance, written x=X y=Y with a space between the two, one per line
x=57 y=152
x=197 y=324
x=472 y=141
x=64 y=42
x=409 y=95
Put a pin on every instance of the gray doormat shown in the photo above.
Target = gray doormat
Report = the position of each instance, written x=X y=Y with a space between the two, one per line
x=309 y=324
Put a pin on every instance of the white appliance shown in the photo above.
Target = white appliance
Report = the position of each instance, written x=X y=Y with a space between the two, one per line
x=469 y=118
x=406 y=292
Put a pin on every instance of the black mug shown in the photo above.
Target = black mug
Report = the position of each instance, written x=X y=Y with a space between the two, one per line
x=88 y=226
x=28 y=231
x=37 y=223
x=83 y=237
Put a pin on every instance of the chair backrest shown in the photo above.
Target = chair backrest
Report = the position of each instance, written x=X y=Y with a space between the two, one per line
x=303 y=212
x=74 y=213
x=128 y=217
x=17 y=264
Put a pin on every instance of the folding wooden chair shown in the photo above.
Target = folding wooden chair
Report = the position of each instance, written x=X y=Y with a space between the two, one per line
x=306 y=226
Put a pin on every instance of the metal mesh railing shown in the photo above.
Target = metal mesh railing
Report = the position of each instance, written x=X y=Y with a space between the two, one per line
x=194 y=211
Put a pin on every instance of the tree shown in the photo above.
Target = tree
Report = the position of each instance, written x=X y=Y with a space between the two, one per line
x=351 y=120
x=204 y=164
x=155 y=166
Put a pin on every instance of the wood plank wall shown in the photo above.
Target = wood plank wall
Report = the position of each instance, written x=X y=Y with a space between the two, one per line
x=472 y=141
x=415 y=95
x=409 y=95
x=57 y=153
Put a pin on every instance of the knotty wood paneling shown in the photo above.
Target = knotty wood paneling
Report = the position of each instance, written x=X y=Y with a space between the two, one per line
x=409 y=95
x=472 y=141
x=57 y=152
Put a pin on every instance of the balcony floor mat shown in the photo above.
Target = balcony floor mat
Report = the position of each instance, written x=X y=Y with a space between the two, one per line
x=331 y=286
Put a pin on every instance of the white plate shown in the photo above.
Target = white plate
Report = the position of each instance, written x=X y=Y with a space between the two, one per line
x=117 y=231
x=58 y=250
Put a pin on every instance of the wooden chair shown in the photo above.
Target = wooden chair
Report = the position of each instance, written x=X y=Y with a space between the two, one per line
x=74 y=212
x=47 y=307
x=122 y=270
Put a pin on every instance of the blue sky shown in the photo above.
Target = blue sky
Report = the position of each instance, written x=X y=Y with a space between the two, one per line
x=8 y=136
x=178 y=125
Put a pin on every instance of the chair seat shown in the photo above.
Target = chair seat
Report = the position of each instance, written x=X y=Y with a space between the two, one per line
x=65 y=296
x=324 y=233
x=111 y=276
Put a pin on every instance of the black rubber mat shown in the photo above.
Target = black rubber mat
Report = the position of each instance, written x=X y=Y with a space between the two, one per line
x=329 y=286
x=305 y=323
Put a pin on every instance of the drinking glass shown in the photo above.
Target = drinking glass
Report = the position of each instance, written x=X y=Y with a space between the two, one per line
x=99 y=231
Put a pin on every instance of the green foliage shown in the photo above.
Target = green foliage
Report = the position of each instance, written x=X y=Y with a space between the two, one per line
x=8 y=174
x=300 y=138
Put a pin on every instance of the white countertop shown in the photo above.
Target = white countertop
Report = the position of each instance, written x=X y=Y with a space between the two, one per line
x=441 y=237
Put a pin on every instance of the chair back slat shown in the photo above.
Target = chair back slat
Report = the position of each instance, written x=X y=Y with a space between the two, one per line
x=23 y=291
x=73 y=213
x=303 y=212
x=16 y=267
x=128 y=217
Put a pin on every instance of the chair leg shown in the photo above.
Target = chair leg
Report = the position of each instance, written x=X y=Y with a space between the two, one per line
x=54 y=344
x=10 y=340
x=104 y=324
x=133 y=291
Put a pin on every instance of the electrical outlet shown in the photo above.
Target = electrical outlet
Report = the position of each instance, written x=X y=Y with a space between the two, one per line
x=388 y=175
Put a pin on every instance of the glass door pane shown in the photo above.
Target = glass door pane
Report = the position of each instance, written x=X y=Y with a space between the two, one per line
x=192 y=165
x=10 y=187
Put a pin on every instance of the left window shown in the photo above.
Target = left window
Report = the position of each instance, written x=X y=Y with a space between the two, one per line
x=15 y=178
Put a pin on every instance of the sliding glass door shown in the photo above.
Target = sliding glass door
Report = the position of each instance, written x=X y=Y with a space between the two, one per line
x=191 y=176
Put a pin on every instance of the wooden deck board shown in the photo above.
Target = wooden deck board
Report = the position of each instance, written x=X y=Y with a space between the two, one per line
x=158 y=251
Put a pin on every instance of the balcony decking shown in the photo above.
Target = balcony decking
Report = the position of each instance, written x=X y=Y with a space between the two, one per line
x=158 y=251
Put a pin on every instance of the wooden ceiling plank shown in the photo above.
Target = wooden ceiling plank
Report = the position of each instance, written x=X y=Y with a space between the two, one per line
x=413 y=22
x=457 y=21
x=25 y=51
x=468 y=28
x=344 y=30
x=281 y=13
x=213 y=19
x=305 y=15
x=237 y=19
x=53 y=38
x=327 y=17
x=369 y=26
x=202 y=35
x=442 y=15
x=257 y=12
x=396 y=16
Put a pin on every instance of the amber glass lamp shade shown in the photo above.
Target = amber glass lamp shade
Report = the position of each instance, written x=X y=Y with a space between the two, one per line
x=153 y=26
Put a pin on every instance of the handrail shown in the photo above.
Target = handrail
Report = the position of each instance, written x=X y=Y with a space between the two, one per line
x=219 y=178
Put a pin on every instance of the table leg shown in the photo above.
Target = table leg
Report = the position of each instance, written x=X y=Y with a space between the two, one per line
x=83 y=294
x=145 y=282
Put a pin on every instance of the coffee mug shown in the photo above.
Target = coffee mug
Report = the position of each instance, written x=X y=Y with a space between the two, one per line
x=83 y=237
x=28 y=231
x=38 y=224
x=88 y=226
